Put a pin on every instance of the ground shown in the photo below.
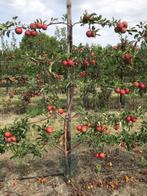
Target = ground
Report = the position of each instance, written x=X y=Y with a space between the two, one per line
x=121 y=173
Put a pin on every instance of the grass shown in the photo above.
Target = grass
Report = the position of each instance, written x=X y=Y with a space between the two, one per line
x=36 y=106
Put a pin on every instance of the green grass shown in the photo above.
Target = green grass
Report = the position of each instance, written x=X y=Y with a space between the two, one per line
x=34 y=111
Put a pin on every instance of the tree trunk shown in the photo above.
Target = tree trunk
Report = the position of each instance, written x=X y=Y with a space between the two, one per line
x=70 y=91
x=122 y=97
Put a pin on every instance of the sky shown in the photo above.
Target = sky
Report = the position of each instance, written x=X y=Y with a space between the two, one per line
x=132 y=11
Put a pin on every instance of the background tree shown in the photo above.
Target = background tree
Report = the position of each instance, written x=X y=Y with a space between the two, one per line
x=40 y=43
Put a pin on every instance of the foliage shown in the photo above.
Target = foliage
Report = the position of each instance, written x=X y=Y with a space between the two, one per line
x=94 y=72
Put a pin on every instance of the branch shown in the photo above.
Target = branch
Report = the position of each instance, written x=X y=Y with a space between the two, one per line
x=76 y=23
x=54 y=23
x=39 y=120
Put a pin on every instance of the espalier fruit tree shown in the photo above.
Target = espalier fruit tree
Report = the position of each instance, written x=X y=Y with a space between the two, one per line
x=73 y=72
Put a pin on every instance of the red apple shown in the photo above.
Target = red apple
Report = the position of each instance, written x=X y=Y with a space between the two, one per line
x=84 y=128
x=136 y=84
x=93 y=62
x=117 y=90
x=122 y=92
x=64 y=62
x=97 y=155
x=123 y=30
x=100 y=155
x=90 y=33
x=8 y=134
x=33 y=33
x=18 y=30
x=49 y=129
x=79 y=127
x=99 y=128
x=8 y=140
x=127 y=90
x=13 y=138
x=33 y=26
x=125 y=24
x=121 y=27
x=128 y=119
x=61 y=111
x=28 y=32
x=44 y=27
x=39 y=25
x=50 y=108
x=127 y=58
x=70 y=62
x=141 y=85
x=133 y=118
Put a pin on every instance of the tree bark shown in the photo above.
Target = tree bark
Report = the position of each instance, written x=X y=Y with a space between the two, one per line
x=70 y=90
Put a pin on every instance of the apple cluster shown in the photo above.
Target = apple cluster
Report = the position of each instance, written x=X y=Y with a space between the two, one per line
x=86 y=63
x=102 y=129
x=32 y=29
x=82 y=128
x=127 y=58
x=9 y=138
x=131 y=119
x=68 y=63
x=121 y=27
x=52 y=108
x=122 y=91
x=140 y=85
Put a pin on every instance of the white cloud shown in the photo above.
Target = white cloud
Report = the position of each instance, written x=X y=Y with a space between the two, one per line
x=133 y=11
x=30 y=8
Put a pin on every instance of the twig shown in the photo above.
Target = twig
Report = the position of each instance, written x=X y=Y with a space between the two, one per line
x=54 y=23
x=59 y=148
x=59 y=115
x=39 y=120
x=75 y=114
x=35 y=177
